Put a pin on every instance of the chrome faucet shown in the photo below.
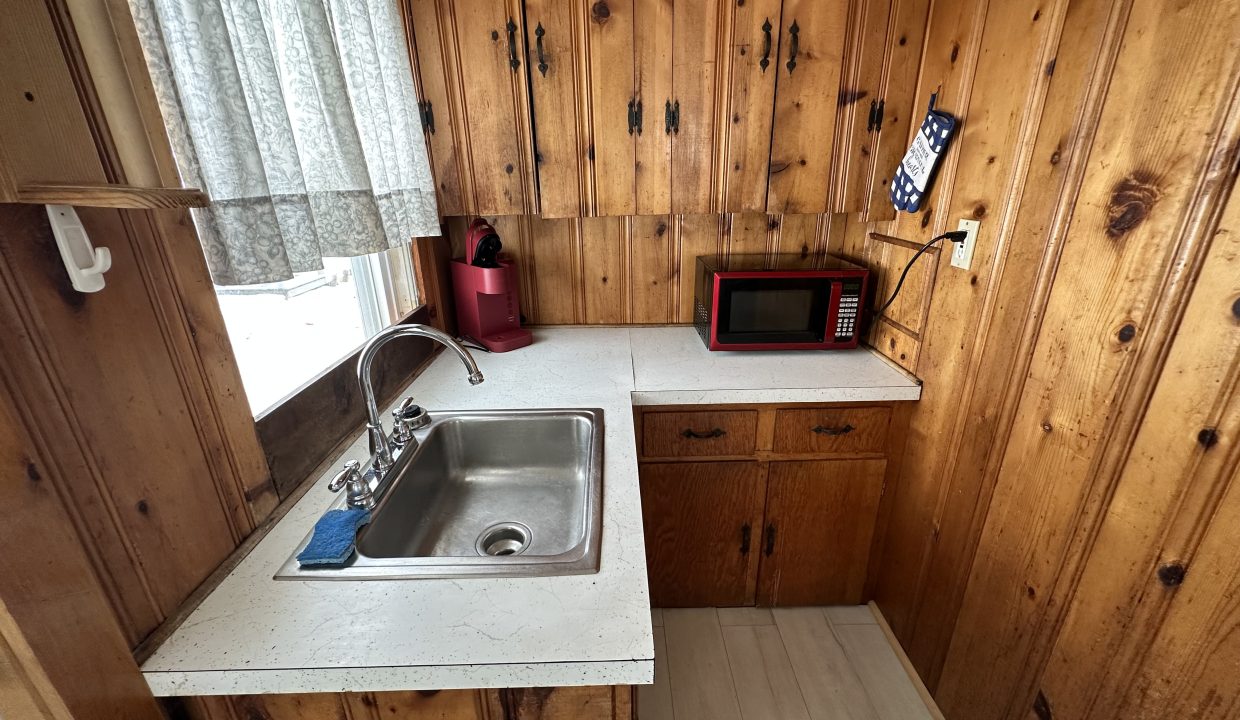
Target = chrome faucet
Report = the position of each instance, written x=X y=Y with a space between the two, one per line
x=408 y=413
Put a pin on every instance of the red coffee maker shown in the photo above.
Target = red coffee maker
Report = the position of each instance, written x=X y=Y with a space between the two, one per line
x=487 y=292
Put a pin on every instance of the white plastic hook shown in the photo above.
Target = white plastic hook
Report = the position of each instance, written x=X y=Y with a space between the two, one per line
x=86 y=264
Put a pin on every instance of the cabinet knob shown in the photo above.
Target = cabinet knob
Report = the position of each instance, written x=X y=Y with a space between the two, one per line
x=770 y=540
x=746 y=532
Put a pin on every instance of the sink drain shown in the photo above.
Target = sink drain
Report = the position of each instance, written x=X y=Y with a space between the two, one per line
x=510 y=538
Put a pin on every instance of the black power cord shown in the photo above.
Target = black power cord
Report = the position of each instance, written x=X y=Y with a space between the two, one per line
x=956 y=236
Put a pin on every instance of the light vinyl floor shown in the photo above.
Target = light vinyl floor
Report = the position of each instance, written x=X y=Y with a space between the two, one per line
x=811 y=663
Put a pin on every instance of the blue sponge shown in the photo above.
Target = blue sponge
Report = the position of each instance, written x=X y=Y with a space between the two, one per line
x=334 y=533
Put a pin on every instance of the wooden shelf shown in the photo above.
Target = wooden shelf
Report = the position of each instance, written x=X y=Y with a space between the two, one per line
x=125 y=197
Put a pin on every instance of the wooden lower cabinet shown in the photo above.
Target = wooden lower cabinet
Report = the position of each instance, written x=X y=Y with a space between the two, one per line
x=762 y=504
x=820 y=518
x=702 y=524
x=722 y=534
x=559 y=703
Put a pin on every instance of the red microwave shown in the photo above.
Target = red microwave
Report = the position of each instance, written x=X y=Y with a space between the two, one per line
x=779 y=302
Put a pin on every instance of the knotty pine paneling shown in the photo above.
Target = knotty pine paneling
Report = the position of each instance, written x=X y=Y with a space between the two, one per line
x=89 y=667
x=1020 y=498
x=134 y=466
x=1159 y=578
x=633 y=269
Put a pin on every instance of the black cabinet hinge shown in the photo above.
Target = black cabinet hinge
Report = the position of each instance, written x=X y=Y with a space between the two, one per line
x=876 y=116
x=671 y=117
x=427 y=116
x=634 y=115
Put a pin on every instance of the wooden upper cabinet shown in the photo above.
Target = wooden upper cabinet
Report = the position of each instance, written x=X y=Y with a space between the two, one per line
x=650 y=102
x=434 y=72
x=478 y=47
x=653 y=107
x=490 y=39
x=876 y=103
x=610 y=31
x=554 y=58
x=695 y=61
x=804 y=85
x=654 y=48
x=860 y=101
x=746 y=132
x=890 y=136
x=811 y=55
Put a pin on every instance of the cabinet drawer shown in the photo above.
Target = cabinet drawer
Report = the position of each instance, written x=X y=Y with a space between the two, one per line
x=831 y=430
x=699 y=434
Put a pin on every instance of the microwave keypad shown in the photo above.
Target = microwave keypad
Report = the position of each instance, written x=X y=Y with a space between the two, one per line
x=846 y=317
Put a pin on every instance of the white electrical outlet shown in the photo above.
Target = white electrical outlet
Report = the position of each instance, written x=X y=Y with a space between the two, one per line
x=962 y=253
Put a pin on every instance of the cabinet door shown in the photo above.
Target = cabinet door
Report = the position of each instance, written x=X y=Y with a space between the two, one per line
x=488 y=36
x=702 y=531
x=860 y=95
x=890 y=140
x=654 y=90
x=611 y=151
x=746 y=133
x=811 y=50
x=819 y=524
x=695 y=59
x=554 y=70
x=433 y=72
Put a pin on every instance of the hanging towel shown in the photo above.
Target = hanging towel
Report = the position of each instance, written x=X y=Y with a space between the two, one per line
x=917 y=168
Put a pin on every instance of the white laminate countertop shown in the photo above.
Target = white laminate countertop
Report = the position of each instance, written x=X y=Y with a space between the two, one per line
x=671 y=366
x=254 y=634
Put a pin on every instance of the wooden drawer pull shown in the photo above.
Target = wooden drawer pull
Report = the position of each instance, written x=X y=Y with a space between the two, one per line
x=824 y=430
x=708 y=435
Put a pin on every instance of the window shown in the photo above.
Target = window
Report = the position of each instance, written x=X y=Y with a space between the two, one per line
x=285 y=333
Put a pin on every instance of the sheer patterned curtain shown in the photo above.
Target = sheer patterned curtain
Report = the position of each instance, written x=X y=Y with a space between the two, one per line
x=299 y=119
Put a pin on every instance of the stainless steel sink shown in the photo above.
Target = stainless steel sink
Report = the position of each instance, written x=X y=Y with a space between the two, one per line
x=486 y=493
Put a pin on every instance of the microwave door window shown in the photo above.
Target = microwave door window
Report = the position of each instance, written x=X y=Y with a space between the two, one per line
x=776 y=310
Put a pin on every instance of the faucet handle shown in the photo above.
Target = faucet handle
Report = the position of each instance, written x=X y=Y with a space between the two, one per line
x=357 y=490
x=407 y=418
x=351 y=470
x=413 y=415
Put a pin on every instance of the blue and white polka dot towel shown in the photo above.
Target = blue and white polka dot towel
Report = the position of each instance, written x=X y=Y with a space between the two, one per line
x=917 y=168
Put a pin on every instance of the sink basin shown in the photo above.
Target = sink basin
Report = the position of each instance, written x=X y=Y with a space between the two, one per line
x=505 y=493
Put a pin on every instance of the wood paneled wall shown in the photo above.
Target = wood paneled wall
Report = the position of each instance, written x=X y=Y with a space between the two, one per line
x=639 y=269
x=134 y=469
x=1055 y=541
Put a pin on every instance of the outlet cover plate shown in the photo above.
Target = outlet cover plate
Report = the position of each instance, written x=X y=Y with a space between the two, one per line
x=962 y=253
